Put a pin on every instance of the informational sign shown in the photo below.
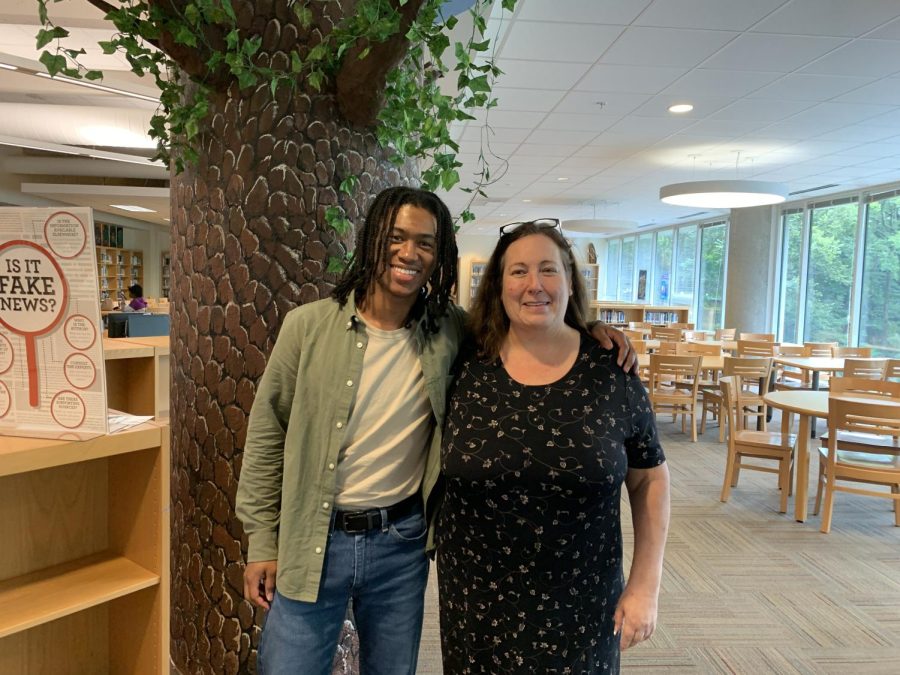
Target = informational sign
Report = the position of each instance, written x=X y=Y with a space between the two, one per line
x=52 y=382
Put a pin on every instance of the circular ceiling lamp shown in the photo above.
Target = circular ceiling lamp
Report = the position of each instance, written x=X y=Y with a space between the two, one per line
x=724 y=194
x=598 y=225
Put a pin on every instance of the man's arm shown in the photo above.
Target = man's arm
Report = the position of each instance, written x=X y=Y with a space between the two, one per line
x=258 y=501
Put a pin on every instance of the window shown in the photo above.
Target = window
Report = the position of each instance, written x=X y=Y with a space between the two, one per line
x=713 y=244
x=685 y=259
x=879 y=317
x=612 y=269
x=662 y=267
x=832 y=236
x=626 y=271
x=791 y=241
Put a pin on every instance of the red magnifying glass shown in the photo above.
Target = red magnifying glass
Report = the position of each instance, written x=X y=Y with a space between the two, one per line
x=33 y=297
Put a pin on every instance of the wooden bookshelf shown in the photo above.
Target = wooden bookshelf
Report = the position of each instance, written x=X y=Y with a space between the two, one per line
x=84 y=567
x=620 y=313
x=165 y=274
x=117 y=269
x=590 y=272
x=476 y=273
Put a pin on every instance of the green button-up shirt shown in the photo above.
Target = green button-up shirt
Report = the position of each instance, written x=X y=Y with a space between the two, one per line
x=297 y=425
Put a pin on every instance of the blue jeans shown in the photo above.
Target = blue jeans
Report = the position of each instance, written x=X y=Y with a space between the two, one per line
x=383 y=572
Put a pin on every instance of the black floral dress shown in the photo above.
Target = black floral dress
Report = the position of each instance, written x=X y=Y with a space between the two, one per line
x=529 y=541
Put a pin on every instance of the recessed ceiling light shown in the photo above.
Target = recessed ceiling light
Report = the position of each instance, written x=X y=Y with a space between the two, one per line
x=681 y=108
x=526 y=200
x=562 y=178
x=6 y=66
x=132 y=207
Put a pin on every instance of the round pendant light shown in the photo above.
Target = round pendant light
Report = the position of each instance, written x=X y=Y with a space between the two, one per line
x=723 y=194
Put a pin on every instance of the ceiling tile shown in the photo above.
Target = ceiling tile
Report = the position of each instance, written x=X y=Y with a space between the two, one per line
x=536 y=100
x=889 y=31
x=543 y=150
x=498 y=117
x=829 y=17
x=547 y=41
x=539 y=74
x=613 y=105
x=629 y=79
x=576 y=122
x=772 y=53
x=865 y=58
x=885 y=91
x=555 y=136
x=658 y=106
x=709 y=14
x=805 y=87
x=620 y=12
x=639 y=46
x=705 y=82
x=498 y=134
x=761 y=110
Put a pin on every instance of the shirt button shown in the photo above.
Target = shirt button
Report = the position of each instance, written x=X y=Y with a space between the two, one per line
x=325 y=505
x=339 y=425
x=349 y=383
x=331 y=465
x=349 y=324
x=359 y=345
x=318 y=549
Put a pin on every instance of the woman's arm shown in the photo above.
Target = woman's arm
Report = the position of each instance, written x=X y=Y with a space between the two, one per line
x=648 y=493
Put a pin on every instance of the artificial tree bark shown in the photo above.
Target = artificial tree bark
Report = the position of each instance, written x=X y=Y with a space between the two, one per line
x=249 y=243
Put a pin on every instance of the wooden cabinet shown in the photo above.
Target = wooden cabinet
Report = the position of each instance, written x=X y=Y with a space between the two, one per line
x=622 y=313
x=117 y=269
x=84 y=576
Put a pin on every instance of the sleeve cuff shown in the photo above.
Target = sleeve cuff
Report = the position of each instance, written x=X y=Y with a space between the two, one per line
x=262 y=546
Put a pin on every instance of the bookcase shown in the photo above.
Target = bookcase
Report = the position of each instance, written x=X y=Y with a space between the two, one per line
x=621 y=313
x=476 y=274
x=590 y=272
x=117 y=269
x=165 y=273
x=84 y=567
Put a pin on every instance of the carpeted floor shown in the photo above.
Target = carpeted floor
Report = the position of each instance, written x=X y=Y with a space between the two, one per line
x=749 y=590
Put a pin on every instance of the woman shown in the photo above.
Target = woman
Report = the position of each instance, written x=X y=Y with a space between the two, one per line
x=137 y=303
x=542 y=429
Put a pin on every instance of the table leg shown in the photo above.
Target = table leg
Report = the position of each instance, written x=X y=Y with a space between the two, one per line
x=815 y=387
x=801 y=468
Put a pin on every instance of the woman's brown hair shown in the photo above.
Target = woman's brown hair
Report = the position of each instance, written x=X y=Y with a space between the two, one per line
x=489 y=322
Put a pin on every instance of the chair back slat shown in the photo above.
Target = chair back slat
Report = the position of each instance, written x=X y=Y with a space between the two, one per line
x=819 y=348
x=665 y=333
x=756 y=348
x=726 y=333
x=853 y=352
x=869 y=416
x=864 y=386
x=759 y=337
x=892 y=370
x=872 y=369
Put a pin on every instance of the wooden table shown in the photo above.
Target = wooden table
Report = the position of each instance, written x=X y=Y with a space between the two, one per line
x=807 y=405
x=708 y=362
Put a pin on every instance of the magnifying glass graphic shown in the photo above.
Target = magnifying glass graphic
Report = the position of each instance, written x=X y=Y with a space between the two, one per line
x=33 y=296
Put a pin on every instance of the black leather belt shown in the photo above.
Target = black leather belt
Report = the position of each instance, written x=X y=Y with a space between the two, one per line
x=362 y=521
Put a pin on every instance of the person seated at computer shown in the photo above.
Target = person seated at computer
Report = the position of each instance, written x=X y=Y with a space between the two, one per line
x=137 y=303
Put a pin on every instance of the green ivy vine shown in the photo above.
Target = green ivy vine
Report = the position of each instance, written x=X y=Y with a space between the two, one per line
x=414 y=121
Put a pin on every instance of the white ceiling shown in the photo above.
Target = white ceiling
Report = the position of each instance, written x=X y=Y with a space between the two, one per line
x=801 y=91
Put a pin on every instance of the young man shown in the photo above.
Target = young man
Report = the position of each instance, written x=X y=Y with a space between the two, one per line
x=343 y=447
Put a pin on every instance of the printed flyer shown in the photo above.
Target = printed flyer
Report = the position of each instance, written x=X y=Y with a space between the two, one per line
x=52 y=381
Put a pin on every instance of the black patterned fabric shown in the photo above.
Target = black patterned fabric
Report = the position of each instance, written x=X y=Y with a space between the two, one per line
x=529 y=541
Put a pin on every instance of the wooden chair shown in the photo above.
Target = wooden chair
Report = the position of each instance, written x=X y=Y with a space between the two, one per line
x=667 y=347
x=682 y=325
x=756 y=348
x=872 y=369
x=726 y=333
x=674 y=383
x=639 y=325
x=750 y=444
x=853 y=352
x=758 y=337
x=877 y=463
x=752 y=374
x=698 y=348
x=865 y=387
x=819 y=348
x=695 y=335
x=666 y=333
x=789 y=377
x=633 y=334
x=892 y=370
x=640 y=347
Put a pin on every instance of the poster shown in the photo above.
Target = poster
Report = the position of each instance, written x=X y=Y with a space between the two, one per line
x=642 y=285
x=52 y=380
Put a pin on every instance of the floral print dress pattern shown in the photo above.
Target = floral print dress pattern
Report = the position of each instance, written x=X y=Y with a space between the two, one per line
x=529 y=540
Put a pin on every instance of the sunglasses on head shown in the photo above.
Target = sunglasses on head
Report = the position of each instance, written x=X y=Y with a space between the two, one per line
x=540 y=223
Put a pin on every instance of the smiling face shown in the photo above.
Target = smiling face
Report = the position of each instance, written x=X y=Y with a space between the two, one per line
x=536 y=285
x=410 y=256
